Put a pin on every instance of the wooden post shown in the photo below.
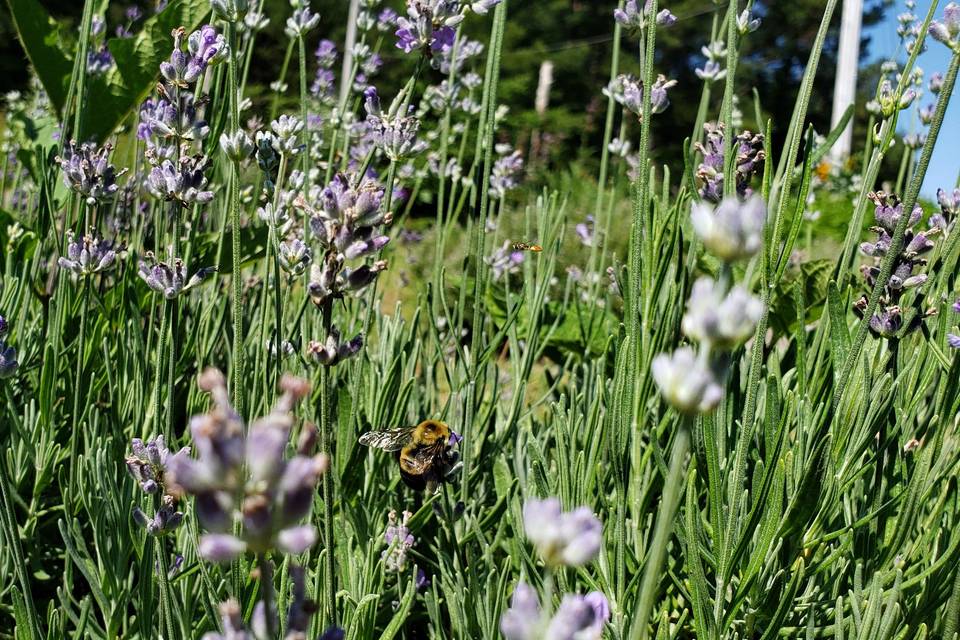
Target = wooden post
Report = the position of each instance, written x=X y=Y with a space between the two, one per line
x=845 y=85
x=345 y=80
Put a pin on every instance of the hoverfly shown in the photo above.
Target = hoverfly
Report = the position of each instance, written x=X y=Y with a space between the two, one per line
x=425 y=452
x=525 y=246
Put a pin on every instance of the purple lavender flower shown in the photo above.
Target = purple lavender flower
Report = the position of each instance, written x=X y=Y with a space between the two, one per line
x=399 y=542
x=634 y=18
x=87 y=171
x=169 y=279
x=563 y=539
x=505 y=261
x=99 y=61
x=749 y=161
x=323 y=84
x=387 y=19
x=429 y=25
x=627 y=90
x=8 y=361
x=276 y=493
x=87 y=256
x=936 y=83
x=184 y=183
x=394 y=134
x=326 y=54
x=579 y=618
x=585 y=232
x=506 y=174
x=522 y=620
x=948 y=31
x=888 y=321
x=711 y=71
x=147 y=462
x=3 y=326
x=952 y=339
x=133 y=13
x=165 y=520
x=205 y=47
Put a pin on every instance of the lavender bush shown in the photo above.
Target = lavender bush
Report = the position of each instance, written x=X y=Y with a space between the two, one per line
x=677 y=416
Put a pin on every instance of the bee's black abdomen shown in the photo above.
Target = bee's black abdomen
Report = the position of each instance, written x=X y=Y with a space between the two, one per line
x=417 y=483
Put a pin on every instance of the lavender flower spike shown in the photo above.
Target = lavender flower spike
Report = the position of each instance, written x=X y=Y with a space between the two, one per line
x=87 y=171
x=734 y=230
x=725 y=321
x=522 y=620
x=8 y=361
x=563 y=539
x=87 y=256
x=686 y=382
x=948 y=31
x=170 y=278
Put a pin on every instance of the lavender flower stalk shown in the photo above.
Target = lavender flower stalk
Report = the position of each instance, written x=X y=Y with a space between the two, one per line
x=87 y=256
x=568 y=539
x=170 y=278
x=88 y=172
x=578 y=617
x=275 y=493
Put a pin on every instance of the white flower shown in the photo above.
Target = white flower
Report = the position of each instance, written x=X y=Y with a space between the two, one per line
x=734 y=230
x=563 y=539
x=727 y=320
x=686 y=382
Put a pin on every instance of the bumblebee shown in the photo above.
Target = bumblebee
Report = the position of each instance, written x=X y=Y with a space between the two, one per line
x=524 y=246
x=425 y=452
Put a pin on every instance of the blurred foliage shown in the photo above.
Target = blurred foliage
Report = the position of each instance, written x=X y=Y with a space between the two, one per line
x=576 y=36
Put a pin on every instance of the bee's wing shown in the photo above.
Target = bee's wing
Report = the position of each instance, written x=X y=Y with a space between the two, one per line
x=389 y=440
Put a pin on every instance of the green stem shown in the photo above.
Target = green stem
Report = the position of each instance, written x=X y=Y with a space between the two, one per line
x=158 y=377
x=304 y=111
x=267 y=593
x=327 y=446
x=78 y=390
x=652 y=571
x=237 y=281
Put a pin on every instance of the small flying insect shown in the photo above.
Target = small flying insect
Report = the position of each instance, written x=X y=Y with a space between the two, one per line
x=525 y=246
x=425 y=452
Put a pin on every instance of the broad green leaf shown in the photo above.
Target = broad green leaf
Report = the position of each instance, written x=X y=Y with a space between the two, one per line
x=40 y=36
x=113 y=95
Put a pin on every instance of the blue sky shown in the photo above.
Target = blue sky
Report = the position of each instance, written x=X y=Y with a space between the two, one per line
x=945 y=163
